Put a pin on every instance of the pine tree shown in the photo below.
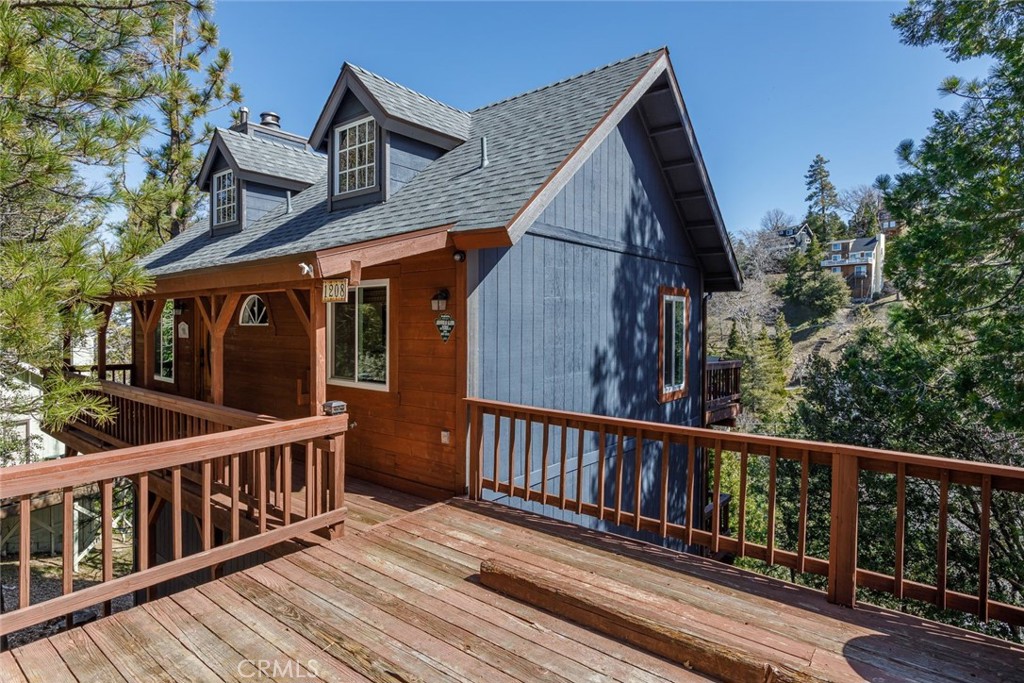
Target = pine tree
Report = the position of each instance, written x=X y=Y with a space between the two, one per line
x=734 y=349
x=191 y=84
x=823 y=201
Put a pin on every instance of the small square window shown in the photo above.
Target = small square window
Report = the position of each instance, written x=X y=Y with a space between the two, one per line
x=355 y=156
x=837 y=246
x=673 y=342
x=225 y=200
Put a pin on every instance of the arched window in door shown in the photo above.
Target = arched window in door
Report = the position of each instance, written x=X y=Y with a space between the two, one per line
x=254 y=312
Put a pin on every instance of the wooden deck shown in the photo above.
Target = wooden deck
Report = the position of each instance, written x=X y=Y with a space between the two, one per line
x=397 y=599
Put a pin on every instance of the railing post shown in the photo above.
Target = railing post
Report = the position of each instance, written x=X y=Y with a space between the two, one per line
x=842 y=555
x=476 y=426
x=337 y=483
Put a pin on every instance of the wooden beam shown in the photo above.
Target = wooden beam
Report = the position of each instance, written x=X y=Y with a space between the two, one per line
x=300 y=312
x=221 y=322
x=355 y=272
x=149 y=313
x=317 y=350
x=678 y=164
x=693 y=194
x=487 y=238
x=670 y=128
x=842 y=553
x=649 y=623
x=338 y=261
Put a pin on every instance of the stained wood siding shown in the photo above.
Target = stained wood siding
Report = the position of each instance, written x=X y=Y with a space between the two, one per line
x=396 y=440
x=568 y=317
x=406 y=158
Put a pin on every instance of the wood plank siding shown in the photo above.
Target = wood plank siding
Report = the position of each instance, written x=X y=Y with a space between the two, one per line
x=568 y=317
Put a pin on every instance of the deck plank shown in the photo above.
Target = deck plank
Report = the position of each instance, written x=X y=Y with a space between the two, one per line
x=9 y=669
x=86 y=661
x=40 y=662
x=119 y=647
x=177 y=660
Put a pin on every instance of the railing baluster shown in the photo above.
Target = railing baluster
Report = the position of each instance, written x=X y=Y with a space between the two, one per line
x=901 y=528
x=511 y=453
x=107 y=516
x=337 y=483
x=620 y=456
x=68 y=549
x=716 y=492
x=310 y=503
x=286 y=482
x=176 y=532
x=527 y=454
x=773 y=468
x=741 y=523
x=261 y=487
x=602 y=447
x=638 y=478
x=801 y=541
x=983 y=554
x=691 y=466
x=236 y=484
x=580 y=434
x=564 y=429
x=546 y=426
x=142 y=523
x=496 y=479
x=665 y=451
x=207 y=505
x=24 y=551
x=942 y=550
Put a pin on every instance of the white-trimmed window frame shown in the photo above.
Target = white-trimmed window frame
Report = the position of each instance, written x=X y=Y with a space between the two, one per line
x=158 y=344
x=356 y=384
x=837 y=246
x=222 y=192
x=371 y=159
x=676 y=297
x=252 y=299
x=860 y=270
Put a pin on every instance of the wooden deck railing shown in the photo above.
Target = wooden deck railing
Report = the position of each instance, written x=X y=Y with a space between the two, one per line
x=722 y=383
x=590 y=464
x=120 y=373
x=242 y=481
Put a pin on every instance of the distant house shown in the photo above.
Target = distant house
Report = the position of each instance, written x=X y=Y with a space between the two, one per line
x=889 y=225
x=861 y=262
x=796 y=236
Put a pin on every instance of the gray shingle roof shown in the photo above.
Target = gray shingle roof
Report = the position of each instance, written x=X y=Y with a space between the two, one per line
x=258 y=155
x=409 y=105
x=528 y=137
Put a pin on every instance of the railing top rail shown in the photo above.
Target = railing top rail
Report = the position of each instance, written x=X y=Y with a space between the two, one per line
x=1005 y=472
x=724 y=364
x=231 y=417
x=40 y=477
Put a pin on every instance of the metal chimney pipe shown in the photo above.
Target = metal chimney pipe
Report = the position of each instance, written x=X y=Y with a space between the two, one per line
x=270 y=119
x=483 y=152
x=243 y=114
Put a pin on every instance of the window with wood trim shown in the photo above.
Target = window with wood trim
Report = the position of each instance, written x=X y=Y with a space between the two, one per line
x=225 y=198
x=673 y=343
x=254 y=312
x=359 y=343
x=164 y=344
x=355 y=156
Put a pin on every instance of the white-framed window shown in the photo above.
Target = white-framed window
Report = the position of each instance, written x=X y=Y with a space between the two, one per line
x=225 y=198
x=837 y=257
x=673 y=342
x=860 y=270
x=164 y=344
x=355 y=156
x=254 y=312
x=837 y=246
x=360 y=337
x=837 y=269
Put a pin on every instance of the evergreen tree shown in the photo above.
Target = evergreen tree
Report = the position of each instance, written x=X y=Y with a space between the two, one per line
x=74 y=75
x=783 y=341
x=191 y=80
x=734 y=349
x=823 y=201
x=816 y=288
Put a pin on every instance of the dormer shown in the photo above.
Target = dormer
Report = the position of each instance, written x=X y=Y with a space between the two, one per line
x=379 y=135
x=252 y=168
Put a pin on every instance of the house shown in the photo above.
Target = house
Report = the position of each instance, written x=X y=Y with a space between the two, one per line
x=861 y=262
x=501 y=310
x=889 y=226
x=796 y=236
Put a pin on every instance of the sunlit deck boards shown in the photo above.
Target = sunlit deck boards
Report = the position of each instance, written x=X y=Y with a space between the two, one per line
x=399 y=601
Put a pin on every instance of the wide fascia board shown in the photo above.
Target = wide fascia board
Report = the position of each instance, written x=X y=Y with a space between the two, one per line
x=705 y=181
x=560 y=177
x=350 y=81
x=338 y=260
x=216 y=145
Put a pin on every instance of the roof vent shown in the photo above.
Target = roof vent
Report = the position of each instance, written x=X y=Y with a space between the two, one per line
x=483 y=152
x=270 y=119
x=243 y=114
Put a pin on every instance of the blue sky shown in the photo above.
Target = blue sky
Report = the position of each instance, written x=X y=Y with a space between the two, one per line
x=768 y=85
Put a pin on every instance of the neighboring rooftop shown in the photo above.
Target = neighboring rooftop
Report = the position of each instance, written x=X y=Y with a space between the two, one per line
x=400 y=599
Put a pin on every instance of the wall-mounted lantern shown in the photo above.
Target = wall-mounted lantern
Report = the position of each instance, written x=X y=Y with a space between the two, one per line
x=439 y=302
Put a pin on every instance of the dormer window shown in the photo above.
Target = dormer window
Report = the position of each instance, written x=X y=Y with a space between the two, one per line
x=225 y=198
x=355 y=155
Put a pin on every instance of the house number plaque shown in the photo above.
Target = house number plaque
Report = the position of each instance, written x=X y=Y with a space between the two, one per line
x=445 y=324
x=336 y=290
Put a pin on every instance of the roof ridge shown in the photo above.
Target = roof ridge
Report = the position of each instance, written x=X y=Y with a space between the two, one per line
x=407 y=88
x=271 y=142
x=570 y=78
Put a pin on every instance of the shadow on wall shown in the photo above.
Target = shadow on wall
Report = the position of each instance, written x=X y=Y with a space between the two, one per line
x=625 y=372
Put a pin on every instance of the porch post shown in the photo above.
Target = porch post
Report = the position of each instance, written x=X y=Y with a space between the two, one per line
x=222 y=320
x=317 y=349
x=101 y=343
x=842 y=554
x=149 y=320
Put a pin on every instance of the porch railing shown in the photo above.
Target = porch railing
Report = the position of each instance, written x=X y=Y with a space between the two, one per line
x=239 y=481
x=121 y=373
x=722 y=383
x=590 y=465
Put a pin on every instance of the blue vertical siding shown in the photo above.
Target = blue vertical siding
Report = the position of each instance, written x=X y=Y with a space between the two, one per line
x=407 y=157
x=259 y=199
x=568 y=317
